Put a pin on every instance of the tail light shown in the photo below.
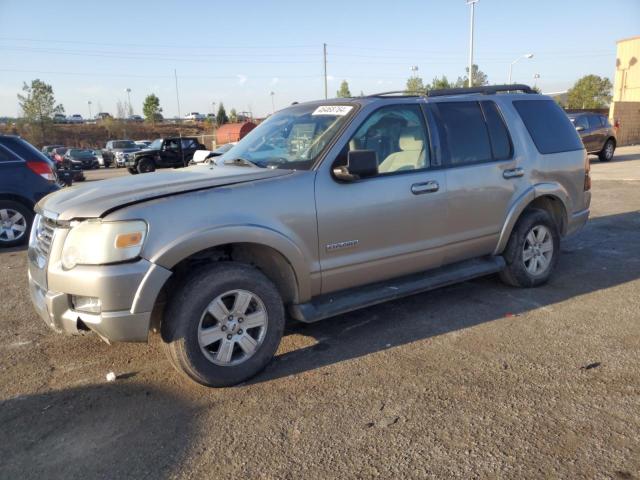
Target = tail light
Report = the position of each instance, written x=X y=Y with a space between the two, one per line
x=587 y=174
x=41 y=168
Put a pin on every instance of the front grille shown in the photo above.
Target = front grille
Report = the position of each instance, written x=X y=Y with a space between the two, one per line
x=45 y=228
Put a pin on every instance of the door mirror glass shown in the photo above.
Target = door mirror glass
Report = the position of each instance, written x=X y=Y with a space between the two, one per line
x=580 y=128
x=360 y=164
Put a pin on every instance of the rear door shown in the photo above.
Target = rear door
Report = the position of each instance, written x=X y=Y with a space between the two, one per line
x=189 y=146
x=483 y=174
x=597 y=132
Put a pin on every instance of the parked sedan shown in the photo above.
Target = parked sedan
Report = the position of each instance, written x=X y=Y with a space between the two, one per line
x=77 y=158
x=597 y=134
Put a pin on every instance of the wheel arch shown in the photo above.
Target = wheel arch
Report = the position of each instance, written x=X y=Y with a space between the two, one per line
x=17 y=198
x=550 y=197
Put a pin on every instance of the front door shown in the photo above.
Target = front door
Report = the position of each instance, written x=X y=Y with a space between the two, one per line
x=391 y=223
x=171 y=154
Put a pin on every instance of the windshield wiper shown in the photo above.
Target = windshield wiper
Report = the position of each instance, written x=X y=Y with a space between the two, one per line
x=242 y=162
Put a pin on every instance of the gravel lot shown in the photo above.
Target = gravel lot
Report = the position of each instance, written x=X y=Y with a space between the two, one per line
x=475 y=380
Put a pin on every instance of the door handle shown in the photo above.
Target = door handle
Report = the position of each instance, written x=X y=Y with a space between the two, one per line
x=426 y=187
x=513 y=173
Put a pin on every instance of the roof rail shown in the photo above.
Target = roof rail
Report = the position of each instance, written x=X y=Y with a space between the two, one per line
x=486 y=90
x=401 y=93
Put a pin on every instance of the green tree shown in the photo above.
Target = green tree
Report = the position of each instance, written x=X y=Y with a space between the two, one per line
x=591 y=91
x=38 y=106
x=439 y=83
x=233 y=116
x=151 y=108
x=221 y=116
x=344 y=91
x=415 y=85
x=479 y=78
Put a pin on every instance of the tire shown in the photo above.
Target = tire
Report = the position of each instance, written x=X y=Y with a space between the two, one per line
x=132 y=171
x=520 y=271
x=15 y=223
x=187 y=317
x=146 y=165
x=606 y=154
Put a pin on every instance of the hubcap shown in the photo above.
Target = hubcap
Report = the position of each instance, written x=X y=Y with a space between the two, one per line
x=537 y=250
x=13 y=225
x=609 y=150
x=232 y=327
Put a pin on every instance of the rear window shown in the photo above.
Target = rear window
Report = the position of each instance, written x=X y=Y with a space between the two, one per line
x=548 y=125
x=24 y=149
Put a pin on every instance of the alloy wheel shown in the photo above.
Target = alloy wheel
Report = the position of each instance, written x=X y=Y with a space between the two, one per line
x=537 y=250
x=13 y=225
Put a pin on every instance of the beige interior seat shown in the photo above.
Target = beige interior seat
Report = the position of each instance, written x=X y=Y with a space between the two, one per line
x=411 y=154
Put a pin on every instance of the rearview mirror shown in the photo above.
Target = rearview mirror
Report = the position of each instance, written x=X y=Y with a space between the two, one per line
x=360 y=164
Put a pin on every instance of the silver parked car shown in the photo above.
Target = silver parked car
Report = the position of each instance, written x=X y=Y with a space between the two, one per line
x=324 y=208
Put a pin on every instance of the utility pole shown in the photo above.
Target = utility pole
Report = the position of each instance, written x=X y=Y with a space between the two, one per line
x=472 y=3
x=273 y=105
x=89 y=103
x=324 y=45
x=128 y=90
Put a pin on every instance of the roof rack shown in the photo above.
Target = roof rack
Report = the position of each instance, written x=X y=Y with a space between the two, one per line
x=401 y=93
x=487 y=90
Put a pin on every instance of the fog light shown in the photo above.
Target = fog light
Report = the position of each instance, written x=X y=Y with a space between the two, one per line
x=86 y=304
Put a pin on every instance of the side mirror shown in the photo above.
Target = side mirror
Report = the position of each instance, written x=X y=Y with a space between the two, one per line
x=580 y=128
x=360 y=164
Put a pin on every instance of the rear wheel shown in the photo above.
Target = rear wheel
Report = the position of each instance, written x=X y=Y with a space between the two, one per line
x=15 y=223
x=532 y=251
x=224 y=325
x=606 y=154
x=146 y=165
x=132 y=170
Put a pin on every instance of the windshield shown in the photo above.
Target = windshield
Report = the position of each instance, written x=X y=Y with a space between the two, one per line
x=124 y=144
x=292 y=138
x=79 y=153
x=156 y=144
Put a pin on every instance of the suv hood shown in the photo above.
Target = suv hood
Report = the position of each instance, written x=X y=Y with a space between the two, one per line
x=95 y=199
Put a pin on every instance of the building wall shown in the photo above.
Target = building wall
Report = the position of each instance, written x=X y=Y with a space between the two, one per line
x=625 y=107
x=626 y=84
x=627 y=115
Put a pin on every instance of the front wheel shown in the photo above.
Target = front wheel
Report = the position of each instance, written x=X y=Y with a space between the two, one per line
x=146 y=165
x=606 y=154
x=223 y=325
x=132 y=170
x=532 y=251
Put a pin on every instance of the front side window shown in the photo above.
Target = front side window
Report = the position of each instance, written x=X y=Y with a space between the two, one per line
x=398 y=136
x=171 y=145
x=293 y=138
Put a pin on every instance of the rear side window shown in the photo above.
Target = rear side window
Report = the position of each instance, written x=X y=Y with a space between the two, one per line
x=498 y=133
x=23 y=149
x=605 y=121
x=594 y=121
x=464 y=133
x=5 y=156
x=548 y=125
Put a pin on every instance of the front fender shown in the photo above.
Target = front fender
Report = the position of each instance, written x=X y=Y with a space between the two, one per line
x=550 y=189
x=194 y=242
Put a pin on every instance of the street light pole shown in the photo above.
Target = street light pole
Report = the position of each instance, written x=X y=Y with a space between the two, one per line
x=414 y=69
x=128 y=90
x=273 y=104
x=89 y=103
x=536 y=76
x=526 y=55
x=472 y=3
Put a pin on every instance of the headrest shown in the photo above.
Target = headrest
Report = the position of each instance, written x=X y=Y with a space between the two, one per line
x=411 y=139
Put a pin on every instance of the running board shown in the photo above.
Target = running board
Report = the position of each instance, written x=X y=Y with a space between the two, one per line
x=332 y=304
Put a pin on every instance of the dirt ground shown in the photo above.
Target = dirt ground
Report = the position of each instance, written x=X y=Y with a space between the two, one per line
x=476 y=380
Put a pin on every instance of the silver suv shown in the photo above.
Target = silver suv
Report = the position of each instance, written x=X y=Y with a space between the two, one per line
x=326 y=207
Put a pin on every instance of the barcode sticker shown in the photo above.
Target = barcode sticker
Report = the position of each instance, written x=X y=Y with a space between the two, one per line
x=337 y=110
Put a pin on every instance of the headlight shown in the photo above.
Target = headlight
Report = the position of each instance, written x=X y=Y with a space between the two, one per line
x=94 y=242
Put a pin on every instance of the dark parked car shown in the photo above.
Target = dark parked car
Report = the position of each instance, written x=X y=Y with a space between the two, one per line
x=164 y=153
x=597 y=134
x=117 y=151
x=85 y=159
x=26 y=175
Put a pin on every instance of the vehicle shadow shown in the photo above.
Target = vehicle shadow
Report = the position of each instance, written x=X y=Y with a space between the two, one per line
x=616 y=158
x=603 y=255
x=115 y=430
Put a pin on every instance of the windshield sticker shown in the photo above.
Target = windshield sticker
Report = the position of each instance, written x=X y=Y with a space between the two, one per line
x=337 y=110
